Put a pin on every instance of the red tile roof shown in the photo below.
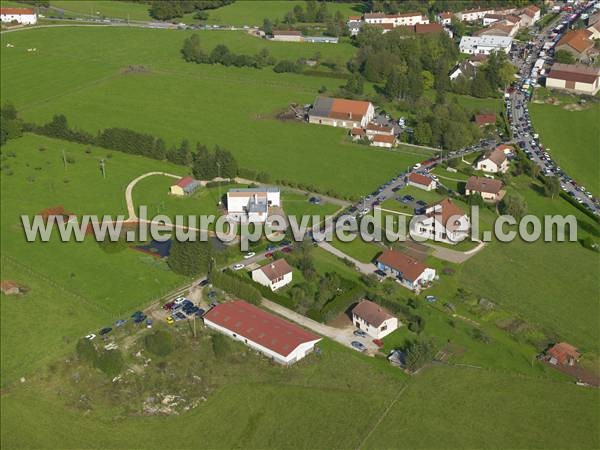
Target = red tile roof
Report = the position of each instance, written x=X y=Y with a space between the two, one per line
x=443 y=210
x=484 y=119
x=276 y=269
x=384 y=138
x=354 y=109
x=428 y=28
x=563 y=352
x=371 y=313
x=267 y=330
x=16 y=11
x=497 y=156
x=185 y=181
x=579 y=40
x=410 y=268
x=419 y=179
x=357 y=132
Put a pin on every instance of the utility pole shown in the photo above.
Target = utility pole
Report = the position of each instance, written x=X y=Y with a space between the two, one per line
x=103 y=168
x=219 y=175
x=64 y=159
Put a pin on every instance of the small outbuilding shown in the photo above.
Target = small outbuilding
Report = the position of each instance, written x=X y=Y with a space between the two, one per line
x=563 y=354
x=185 y=186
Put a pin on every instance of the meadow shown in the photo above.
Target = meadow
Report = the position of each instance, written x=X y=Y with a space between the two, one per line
x=79 y=71
x=571 y=138
x=103 y=8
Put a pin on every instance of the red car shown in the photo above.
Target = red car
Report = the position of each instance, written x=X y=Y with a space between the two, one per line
x=168 y=306
x=269 y=255
x=286 y=249
x=378 y=342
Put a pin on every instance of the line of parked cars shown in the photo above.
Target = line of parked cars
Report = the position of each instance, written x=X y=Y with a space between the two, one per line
x=137 y=318
x=181 y=308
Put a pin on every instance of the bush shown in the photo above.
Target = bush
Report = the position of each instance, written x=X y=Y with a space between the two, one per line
x=160 y=343
x=86 y=351
x=110 y=362
x=221 y=345
x=236 y=286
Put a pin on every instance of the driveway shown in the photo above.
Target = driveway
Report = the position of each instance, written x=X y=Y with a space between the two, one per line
x=342 y=335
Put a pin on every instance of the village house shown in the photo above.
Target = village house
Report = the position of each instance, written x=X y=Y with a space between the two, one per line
x=594 y=26
x=185 y=186
x=373 y=129
x=489 y=19
x=340 y=112
x=252 y=204
x=563 y=354
x=421 y=181
x=354 y=25
x=485 y=44
x=442 y=221
x=274 y=275
x=383 y=140
x=411 y=273
x=23 y=16
x=444 y=18
x=466 y=69
x=501 y=29
x=530 y=15
x=507 y=149
x=494 y=161
x=278 y=339
x=483 y=120
x=373 y=319
x=287 y=35
x=472 y=15
x=489 y=189
x=574 y=78
x=358 y=133
x=396 y=20
x=579 y=43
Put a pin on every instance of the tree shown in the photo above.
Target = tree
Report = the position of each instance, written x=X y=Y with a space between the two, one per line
x=564 y=57
x=514 y=205
x=418 y=353
x=190 y=258
x=227 y=165
x=551 y=186
x=394 y=85
x=422 y=133
x=221 y=55
x=267 y=26
x=354 y=84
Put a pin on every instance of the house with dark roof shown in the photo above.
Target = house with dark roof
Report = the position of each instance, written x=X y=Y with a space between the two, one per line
x=274 y=275
x=340 y=112
x=574 y=78
x=421 y=181
x=278 y=339
x=494 y=161
x=441 y=221
x=489 y=189
x=185 y=186
x=409 y=272
x=374 y=320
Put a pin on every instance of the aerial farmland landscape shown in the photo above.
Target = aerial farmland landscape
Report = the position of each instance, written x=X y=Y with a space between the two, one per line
x=300 y=224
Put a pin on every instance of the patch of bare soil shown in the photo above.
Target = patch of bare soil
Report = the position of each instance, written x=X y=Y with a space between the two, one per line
x=134 y=69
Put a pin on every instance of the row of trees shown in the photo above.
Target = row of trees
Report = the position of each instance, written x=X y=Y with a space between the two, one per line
x=192 y=52
x=171 y=9
x=11 y=126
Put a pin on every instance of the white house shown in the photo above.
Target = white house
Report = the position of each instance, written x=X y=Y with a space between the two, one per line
x=373 y=319
x=24 y=16
x=494 y=161
x=442 y=221
x=489 y=189
x=396 y=20
x=252 y=204
x=411 y=273
x=274 y=275
x=485 y=45
x=383 y=140
x=444 y=18
x=530 y=15
x=373 y=129
x=421 y=181
x=340 y=112
x=472 y=15
x=276 y=338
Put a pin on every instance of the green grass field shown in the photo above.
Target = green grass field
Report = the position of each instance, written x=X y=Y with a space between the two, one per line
x=235 y=108
x=572 y=139
x=104 y=8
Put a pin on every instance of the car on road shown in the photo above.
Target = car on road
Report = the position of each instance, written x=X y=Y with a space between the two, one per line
x=365 y=210
x=179 y=300
x=286 y=249
x=249 y=255
x=431 y=298
x=314 y=200
x=271 y=248
x=360 y=333
x=238 y=266
x=120 y=322
x=421 y=203
x=90 y=337
x=380 y=273
x=396 y=188
x=104 y=331
x=358 y=346
x=285 y=243
x=203 y=283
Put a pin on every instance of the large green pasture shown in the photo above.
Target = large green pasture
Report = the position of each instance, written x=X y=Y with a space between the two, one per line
x=104 y=8
x=573 y=140
x=78 y=71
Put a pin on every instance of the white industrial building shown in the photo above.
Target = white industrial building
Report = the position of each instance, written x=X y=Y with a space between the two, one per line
x=484 y=45
x=252 y=204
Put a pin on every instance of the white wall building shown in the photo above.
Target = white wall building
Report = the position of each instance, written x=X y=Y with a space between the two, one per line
x=274 y=275
x=442 y=221
x=397 y=20
x=24 y=16
x=484 y=45
x=278 y=339
x=252 y=204
x=373 y=319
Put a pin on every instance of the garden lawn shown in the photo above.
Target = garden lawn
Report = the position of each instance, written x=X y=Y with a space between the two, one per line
x=79 y=72
x=295 y=204
x=571 y=138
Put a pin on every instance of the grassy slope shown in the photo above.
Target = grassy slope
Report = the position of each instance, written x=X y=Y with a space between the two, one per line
x=572 y=137
x=104 y=8
x=212 y=104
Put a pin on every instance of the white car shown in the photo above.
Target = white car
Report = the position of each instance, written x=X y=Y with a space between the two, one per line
x=90 y=337
x=237 y=266
x=179 y=300
x=249 y=255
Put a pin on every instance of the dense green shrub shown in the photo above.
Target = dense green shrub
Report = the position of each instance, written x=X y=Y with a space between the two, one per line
x=160 y=343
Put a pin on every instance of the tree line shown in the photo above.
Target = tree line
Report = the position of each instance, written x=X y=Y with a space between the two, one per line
x=171 y=9
x=313 y=12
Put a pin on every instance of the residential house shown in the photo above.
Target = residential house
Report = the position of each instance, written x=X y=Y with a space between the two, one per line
x=408 y=271
x=507 y=149
x=23 y=16
x=396 y=20
x=383 y=140
x=444 y=18
x=373 y=319
x=354 y=26
x=278 y=339
x=274 y=275
x=429 y=28
x=489 y=19
x=252 y=204
x=483 y=120
x=287 y=35
x=472 y=15
x=530 y=15
x=185 y=186
x=465 y=68
x=494 y=161
x=421 y=181
x=485 y=44
x=594 y=26
x=340 y=112
x=574 y=78
x=489 y=189
x=442 y=221
x=358 y=133
x=579 y=43
x=373 y=129
x=501 y=29
x=563 y=354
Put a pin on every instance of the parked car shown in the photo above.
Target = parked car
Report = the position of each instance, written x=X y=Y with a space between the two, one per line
x=238 y=266
x=120 y=322
x=149 y=323
x=203 y=283
x=378 y=342
x=381 y=273
x=431 y=298
x=249 y=255
x=90 y=337
x=170 y=320
x=358 y=346
x=104 y=331
x=421 y=203
x=286 y=249
x=168 y=306
x=360 y=333
x=179 y=316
